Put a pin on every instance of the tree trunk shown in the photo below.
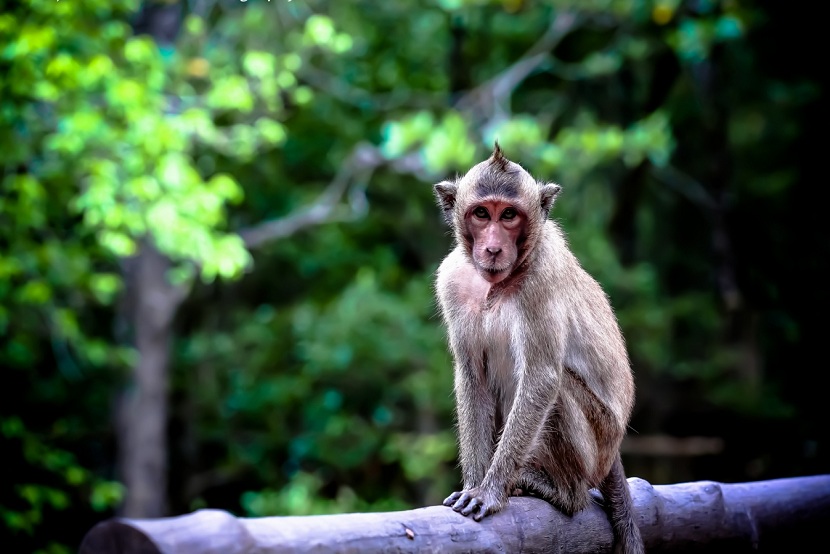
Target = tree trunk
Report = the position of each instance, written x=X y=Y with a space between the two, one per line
x=784 y=515
x=142 y=418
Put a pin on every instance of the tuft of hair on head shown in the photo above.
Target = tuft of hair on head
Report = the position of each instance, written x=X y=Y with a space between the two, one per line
x=498 y=159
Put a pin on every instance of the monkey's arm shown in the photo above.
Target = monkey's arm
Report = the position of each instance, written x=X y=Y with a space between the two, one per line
x=476 y=411
x=538 y=388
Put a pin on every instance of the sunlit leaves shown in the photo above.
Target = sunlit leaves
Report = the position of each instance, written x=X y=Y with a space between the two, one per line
x=271 y=131
x=320 y=29
x=651 y=138
x=119 y=244
x=303 y=95
x=302 y=496
x=231 y=93
x=518 y=135
x=105 y=286
x=137 y=176
x=31 y=40
x=224 y=186
x=259 y=64
x=174 y=172
x=62 y=67
x=291 y=61
x=445 y=144
x=400 y=136
x=575 y=150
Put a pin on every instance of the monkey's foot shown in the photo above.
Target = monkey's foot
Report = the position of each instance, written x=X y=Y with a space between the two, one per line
x=476 y=501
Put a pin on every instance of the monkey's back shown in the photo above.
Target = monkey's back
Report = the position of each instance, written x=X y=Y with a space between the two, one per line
x=593 y=346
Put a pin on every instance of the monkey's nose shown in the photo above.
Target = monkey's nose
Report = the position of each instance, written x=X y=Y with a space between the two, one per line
x=493 y=250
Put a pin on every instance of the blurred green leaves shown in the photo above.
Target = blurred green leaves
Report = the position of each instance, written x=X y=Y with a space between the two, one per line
x=60 y=464
x=448 y=144
x=136 y=175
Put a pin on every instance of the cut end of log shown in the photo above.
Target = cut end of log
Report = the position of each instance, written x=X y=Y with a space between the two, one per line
x=114 y=535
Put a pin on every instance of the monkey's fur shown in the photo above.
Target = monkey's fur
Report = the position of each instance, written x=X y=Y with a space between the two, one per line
x=543 y=384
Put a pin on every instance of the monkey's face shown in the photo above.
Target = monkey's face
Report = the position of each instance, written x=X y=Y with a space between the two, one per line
x=496 y=229
x=497 y=211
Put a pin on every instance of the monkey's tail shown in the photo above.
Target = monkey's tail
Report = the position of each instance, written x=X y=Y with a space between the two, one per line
x=620 y=508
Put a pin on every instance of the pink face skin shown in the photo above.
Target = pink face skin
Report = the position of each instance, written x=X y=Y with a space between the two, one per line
x=495 y=227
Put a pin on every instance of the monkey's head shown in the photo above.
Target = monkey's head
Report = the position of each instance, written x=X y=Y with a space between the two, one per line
x=497 y=211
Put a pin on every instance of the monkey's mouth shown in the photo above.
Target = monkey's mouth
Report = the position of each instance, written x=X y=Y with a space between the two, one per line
x=494 y=273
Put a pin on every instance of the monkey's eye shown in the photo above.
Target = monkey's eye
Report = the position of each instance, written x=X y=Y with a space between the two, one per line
x=481 y=213
x=509 y=213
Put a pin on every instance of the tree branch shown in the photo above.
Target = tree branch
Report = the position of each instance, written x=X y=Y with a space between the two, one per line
x=493 y=95
x=354 y=173
x=767 y=516
x=686 y=185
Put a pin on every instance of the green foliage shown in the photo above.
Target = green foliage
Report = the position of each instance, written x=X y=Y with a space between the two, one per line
x=59 y=466
x=334 y=411
x=98 y=156
x=134 y=161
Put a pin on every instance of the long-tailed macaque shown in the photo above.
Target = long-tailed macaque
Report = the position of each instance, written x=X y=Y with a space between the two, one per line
x=543 y=383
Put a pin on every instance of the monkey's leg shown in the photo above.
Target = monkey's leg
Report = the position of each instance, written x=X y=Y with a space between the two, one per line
x=567 y=499
x=537 y=483
x=620 y=508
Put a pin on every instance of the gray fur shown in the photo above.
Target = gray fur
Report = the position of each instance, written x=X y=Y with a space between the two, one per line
x=543 y=384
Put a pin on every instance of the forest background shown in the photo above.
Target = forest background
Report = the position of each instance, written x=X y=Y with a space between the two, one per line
x=218 y=240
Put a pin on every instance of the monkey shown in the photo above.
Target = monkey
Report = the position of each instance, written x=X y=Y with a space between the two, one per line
x=542 y=379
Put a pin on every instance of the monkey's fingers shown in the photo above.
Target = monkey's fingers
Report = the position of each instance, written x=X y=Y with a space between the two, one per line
x=462 y=501
x=485 y=509
x=474 y=504
x=451 y=499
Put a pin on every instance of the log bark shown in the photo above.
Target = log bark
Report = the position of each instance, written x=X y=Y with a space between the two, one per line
x=783 y=515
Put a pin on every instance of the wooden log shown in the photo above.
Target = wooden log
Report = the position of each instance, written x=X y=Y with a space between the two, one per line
x=782 y=515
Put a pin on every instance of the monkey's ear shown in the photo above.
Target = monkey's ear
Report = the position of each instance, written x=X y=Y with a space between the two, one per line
x=445 y=192
x=547 y=195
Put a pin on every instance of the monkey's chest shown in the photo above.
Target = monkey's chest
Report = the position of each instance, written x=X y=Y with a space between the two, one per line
x=493 y=336
x=492 y=333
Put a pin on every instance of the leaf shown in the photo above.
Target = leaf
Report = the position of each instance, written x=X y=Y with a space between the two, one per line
x=119 y=244
x=105 y=286
x=320 y=29
x=140 y=50
x=106 y=494
x=224 y=186
x=231 y=93
x=271 y=131
x=258 y=63
x=176 y=172
x=34 y=292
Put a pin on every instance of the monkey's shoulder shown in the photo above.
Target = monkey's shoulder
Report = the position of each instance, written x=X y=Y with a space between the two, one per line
x=458 y=285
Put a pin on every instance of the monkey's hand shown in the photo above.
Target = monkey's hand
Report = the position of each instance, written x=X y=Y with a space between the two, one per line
x=477 y=501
